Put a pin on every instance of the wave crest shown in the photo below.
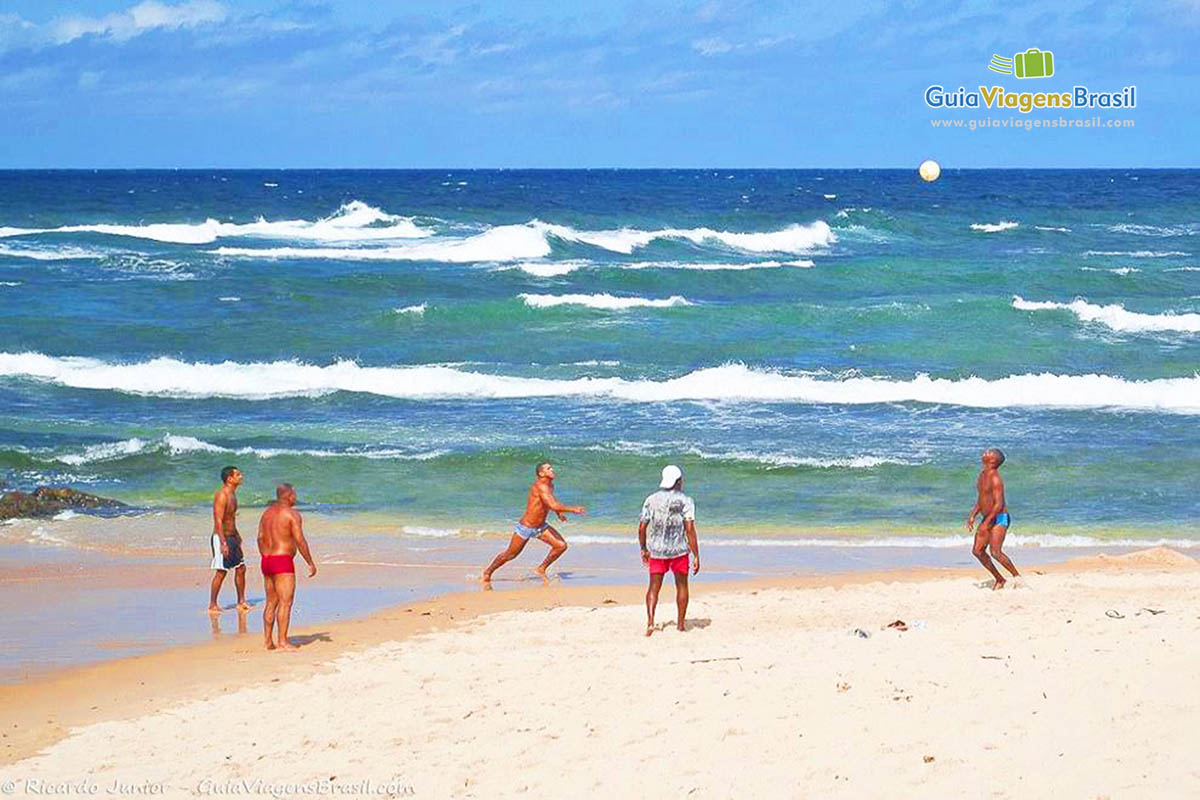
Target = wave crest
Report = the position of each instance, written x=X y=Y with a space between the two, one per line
x=1116 y=316
x=353 y=221
x=731 y=382
x=605 y=302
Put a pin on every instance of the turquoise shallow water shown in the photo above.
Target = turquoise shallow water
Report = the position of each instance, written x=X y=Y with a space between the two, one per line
x=819 y=350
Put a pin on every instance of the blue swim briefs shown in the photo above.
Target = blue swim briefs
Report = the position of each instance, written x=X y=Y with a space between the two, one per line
x=529 y=533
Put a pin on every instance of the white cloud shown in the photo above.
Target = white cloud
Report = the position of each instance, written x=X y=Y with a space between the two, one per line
x=716 y=46
x=712 y=46
x=136 y=20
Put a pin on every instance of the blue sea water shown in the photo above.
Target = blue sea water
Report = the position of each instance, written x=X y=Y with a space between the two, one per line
x=824 y=352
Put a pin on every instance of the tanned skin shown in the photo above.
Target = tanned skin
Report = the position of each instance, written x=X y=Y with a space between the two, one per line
x=281 y=532
x=225 y=506
x=538 y=505
x=681 y=579
x=990 y=537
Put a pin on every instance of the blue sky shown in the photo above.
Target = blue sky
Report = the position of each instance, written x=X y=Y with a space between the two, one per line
x=179 y=83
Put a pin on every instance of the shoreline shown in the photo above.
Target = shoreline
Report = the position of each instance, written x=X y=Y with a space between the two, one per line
x=38 y=713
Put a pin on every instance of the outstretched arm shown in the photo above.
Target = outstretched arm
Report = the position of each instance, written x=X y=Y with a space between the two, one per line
x=552 y=502
x=302 y=546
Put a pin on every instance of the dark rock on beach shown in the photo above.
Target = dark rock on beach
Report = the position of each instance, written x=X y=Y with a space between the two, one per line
x=47 y=501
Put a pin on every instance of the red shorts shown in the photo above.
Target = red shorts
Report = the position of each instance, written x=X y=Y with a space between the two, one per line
x=678 y=565
x=276 y=565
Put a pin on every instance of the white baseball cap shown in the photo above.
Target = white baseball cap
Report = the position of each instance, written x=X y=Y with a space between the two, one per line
x=670 y=475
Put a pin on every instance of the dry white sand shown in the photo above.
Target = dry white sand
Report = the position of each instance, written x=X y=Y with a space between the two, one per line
x=1066 y=688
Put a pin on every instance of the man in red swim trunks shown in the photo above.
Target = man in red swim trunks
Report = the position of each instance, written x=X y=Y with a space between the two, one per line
x=280 y=535
x=669 y=517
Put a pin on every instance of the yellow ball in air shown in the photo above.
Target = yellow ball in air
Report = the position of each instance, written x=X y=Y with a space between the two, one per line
x=930 y=170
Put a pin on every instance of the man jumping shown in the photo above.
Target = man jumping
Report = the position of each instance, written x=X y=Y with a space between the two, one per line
x=540 y=502
x=280 y=535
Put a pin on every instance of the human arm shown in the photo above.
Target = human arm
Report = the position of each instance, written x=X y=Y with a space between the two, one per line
x=220 y=503
x=689 y=528
x=971 y=517
x=302 y=546
x=551 y=502
x=642 y=541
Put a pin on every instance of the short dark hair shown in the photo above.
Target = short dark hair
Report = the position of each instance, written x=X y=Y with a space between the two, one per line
x=226 y=472
x=998 y=453
x=537 y=471
x=282 y=489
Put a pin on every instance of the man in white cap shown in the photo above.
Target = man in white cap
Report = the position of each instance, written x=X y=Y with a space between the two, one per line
x=669 y=519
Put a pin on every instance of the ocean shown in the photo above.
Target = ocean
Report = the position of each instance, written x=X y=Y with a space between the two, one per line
x=824 y=352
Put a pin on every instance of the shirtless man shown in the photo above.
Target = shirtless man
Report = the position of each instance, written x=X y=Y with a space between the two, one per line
x=280 y=535
x=541 y=502
x=226 y=542
x=995 y=522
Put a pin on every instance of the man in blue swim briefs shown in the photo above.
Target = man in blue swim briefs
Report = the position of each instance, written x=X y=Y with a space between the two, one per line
x=994 y=525
x=541 y=501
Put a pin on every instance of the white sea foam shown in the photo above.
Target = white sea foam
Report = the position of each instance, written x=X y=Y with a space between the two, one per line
x=1161 y=231
x=1183 y=269
x=1114 y=270
x=416 y=311
x=178 y=445
x=730 y=382
x=795 y=238
x=719 y=266
x=422 y=530
x=49 y=254
x=994 y=227
x=230 y=299
x=1138 y=253
x=606 y=302
x=551 y=269
x=766 y=459
x=10 y=283
x=502 y=243
x=353 y=221
x=1051 y=228
x=1116 y=317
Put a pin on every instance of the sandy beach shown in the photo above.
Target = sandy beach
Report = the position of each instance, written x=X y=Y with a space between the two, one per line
x=1071 y=685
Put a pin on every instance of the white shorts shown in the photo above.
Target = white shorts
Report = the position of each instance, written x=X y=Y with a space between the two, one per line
x=233 y=561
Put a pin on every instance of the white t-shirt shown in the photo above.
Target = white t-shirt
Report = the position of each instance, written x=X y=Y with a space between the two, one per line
x=665 y=511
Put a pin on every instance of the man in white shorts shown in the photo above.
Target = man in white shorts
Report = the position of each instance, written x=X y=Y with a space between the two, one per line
x=226 y=542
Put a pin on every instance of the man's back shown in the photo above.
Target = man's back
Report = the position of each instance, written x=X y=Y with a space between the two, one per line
x=665 y=511
x=277 y=530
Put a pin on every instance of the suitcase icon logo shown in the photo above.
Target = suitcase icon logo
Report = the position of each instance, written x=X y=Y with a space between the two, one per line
x=1033 y=63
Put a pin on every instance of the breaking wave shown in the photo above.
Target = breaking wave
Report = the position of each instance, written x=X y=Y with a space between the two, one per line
x=1116 y=316
x=731 y=382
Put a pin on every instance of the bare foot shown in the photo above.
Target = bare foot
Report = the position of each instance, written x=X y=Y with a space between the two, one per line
x=286 y=644
x=243 y=606
x=214 y=610
x=270 y=645
x=650 y=629
x=681 y=626
x=999 y=584
x=541 y=573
